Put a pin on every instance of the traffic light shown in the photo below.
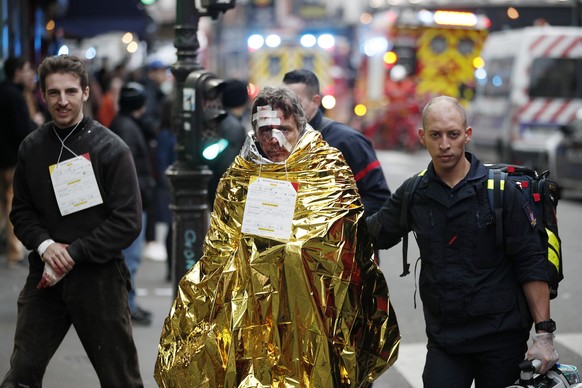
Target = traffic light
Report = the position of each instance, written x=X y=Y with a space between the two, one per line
x=203 y=111
x=213 y=8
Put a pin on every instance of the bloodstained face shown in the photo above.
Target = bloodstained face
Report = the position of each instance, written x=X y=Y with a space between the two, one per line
x=278 y=140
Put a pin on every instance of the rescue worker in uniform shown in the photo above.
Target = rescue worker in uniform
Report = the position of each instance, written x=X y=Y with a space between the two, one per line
x=355 y=147
x=479 y=301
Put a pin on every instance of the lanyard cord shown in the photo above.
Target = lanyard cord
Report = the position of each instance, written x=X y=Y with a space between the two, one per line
x=63 y=142
x=286 y=173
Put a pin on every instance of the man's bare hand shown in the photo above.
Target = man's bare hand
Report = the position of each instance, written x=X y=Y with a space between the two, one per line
x=58 y=258
x=49 y=277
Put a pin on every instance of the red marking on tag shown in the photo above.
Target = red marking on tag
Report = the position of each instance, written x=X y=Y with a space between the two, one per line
x=536 y=197
x=452 y=240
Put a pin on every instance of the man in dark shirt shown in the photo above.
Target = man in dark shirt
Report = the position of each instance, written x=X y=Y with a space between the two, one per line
x=355 y=147
x=76 y=206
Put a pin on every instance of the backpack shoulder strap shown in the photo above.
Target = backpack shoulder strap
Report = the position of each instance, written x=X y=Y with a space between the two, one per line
x=409 y=190
x=495 y=189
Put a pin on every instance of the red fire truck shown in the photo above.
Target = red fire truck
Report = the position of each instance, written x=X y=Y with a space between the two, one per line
x=408 y=57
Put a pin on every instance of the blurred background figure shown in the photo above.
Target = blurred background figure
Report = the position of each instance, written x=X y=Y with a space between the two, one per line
x=235 y=100
x=37 y=109
x=126 y=124
x=155 y=78
x=161 y=247
x=402 y=118
x=356 y=148
x=111 y=83
x=16 y=125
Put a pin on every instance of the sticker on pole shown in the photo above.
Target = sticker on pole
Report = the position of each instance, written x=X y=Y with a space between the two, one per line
x=189 y=100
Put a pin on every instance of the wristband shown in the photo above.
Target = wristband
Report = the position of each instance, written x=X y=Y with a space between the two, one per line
x=549 y=326
x=43 y=246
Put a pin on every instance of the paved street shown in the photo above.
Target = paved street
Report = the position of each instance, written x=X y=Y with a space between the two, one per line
x=70 y=367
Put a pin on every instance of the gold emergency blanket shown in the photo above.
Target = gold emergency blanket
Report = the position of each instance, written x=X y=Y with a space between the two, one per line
x=313 y=311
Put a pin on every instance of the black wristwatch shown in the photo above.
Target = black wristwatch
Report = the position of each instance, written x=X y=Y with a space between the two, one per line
x=549 y=326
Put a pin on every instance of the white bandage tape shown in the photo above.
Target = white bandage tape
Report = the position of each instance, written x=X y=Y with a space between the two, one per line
x=281 y=139
x=266 y=116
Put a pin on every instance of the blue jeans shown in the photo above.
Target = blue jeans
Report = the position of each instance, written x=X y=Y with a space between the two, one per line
x=133 y=259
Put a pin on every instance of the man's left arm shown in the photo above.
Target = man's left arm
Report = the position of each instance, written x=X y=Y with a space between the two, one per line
x=524 y=245
x=538 y=299
x=542 y=348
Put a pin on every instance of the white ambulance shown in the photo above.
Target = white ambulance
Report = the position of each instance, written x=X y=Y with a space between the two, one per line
x=529 y=88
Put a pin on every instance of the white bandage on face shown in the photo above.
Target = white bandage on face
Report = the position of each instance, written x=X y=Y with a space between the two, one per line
x=283 y=142
x=267 y=117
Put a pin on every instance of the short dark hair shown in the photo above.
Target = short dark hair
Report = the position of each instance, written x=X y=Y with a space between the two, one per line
x=303 y=76
x=451 y=101
x=281 y=98
x=12 y=64
x=63 y=64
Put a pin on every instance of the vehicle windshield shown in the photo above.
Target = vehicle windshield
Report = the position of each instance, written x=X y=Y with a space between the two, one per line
x=556 y=78
x=497 y=81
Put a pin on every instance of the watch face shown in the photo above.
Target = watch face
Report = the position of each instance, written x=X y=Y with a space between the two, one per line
x=549 y=326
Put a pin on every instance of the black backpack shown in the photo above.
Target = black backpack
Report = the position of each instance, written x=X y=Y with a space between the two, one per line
x=542 y=195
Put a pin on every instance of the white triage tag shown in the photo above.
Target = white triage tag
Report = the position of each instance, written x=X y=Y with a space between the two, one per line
x=75 y=185
x=269 y=208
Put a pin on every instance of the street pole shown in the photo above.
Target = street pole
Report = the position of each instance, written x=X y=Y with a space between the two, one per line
x=189 y=180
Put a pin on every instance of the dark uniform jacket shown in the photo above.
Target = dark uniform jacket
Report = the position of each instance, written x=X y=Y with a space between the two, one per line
x=471 y=290
x=360 y=156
